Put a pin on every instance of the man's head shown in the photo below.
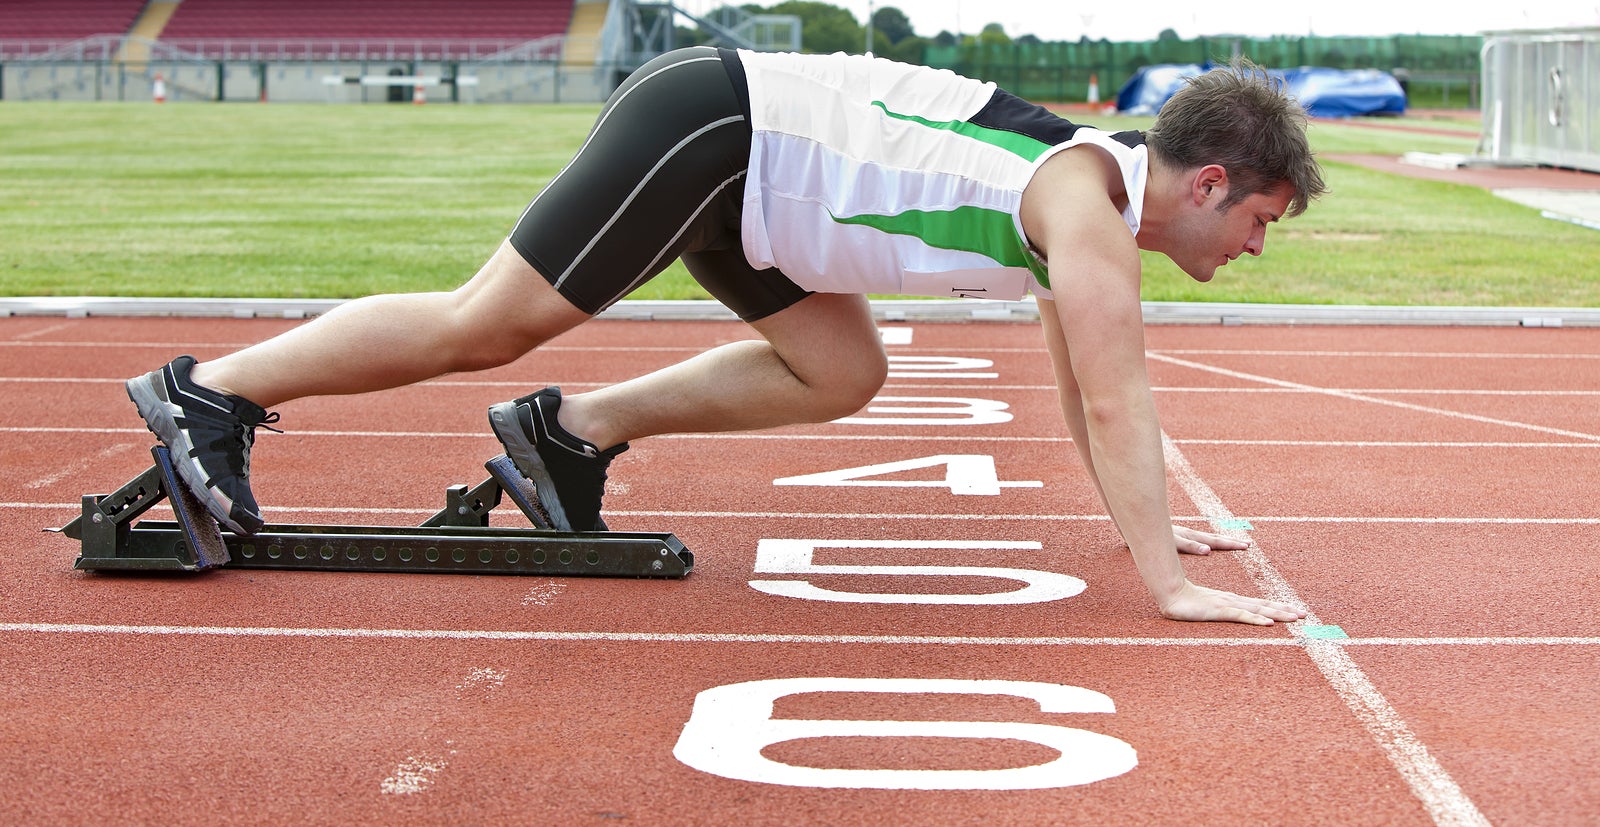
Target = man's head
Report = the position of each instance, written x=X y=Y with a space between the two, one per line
x=1239 y=118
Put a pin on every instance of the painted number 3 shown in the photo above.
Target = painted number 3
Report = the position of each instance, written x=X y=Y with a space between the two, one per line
x=731 y=725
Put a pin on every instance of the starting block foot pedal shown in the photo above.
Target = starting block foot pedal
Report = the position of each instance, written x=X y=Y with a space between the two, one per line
x=105 y=527
x=520 y=489
x=457 y=539
x=200 y=529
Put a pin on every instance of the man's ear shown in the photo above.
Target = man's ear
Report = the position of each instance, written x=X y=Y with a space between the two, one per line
x=1210 y=184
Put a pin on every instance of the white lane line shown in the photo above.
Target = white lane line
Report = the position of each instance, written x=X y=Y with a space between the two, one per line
x=1319 y=354
x=1373 y=354
x=1286 y=391
x=1361 y=397
x=508 y=635
x=521 y=385
x=1187 y=351
x=1444 y=800
x=486 y=435
x=1373 y=443
x=792 y=515
x=104 y=345
x=619 y=637
x=1472 y=641
x=908 y=438
x=1436 y=520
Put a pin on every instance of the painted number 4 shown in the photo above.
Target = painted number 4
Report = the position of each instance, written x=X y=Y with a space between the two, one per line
x=968 y=474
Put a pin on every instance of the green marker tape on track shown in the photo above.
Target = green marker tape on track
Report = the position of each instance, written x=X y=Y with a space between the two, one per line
x=1235 y=524
x=1323 y=633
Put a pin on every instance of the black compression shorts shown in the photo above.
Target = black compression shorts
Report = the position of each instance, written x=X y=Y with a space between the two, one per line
x=660 y=177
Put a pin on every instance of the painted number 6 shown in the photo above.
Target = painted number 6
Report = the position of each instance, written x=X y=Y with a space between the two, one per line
x=732 y=724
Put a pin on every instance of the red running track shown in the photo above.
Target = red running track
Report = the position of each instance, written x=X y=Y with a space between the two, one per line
x=1427 y=493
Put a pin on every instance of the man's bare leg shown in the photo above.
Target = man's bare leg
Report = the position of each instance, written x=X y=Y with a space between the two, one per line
x=822 y=359
x=380 y=342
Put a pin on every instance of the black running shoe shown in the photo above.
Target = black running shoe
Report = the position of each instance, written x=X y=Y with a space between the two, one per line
x=209 y=434
x=568 y=473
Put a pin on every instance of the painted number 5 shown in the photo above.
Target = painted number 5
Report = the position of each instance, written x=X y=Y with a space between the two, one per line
x=795 y=557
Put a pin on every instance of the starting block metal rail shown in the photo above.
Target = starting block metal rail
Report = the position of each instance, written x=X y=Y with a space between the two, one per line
x=457 y=539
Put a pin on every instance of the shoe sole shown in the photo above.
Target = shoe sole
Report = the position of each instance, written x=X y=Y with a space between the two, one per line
x=156 y=410
x=508 y=429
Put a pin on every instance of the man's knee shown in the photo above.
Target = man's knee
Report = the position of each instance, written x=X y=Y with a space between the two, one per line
x=854 y=385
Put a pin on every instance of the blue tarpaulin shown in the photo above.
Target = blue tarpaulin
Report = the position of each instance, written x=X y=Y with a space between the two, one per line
x=1325 y=93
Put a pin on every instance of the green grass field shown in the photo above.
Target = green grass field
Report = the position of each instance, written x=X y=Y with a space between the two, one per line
x=338 y=201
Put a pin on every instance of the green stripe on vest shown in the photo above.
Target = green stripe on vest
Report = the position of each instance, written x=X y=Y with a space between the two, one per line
x=969 y=229
x=1020 y=145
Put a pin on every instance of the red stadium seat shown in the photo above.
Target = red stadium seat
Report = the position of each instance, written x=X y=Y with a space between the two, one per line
x=66 y=19
x=369 y=20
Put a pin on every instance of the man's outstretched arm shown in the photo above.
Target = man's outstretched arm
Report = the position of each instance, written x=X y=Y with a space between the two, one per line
x=1187 y=540
x=1094 y=275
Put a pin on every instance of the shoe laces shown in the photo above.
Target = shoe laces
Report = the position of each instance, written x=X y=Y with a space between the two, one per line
x=247 y=434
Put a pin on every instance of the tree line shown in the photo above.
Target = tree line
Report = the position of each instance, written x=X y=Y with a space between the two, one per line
x=826 y=28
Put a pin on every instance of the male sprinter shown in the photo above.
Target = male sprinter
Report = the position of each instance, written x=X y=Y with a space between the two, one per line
x=791 y=186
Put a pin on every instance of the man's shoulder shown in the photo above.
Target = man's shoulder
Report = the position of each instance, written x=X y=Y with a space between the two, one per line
x=1076 y=194
x=1083 y=170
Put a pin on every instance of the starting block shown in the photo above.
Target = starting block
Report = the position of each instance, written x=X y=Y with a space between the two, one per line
x=457 y=539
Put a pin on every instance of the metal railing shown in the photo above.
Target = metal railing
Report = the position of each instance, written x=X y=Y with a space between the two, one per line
x=256 y=50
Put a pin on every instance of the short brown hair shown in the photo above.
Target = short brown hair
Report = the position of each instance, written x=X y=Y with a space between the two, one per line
x=1239 y=117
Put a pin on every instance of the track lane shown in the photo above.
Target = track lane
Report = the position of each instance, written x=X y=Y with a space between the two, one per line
x=1439 y=652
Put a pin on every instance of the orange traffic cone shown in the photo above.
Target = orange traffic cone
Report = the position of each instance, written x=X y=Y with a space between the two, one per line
x=158 y=89
x=418 y=95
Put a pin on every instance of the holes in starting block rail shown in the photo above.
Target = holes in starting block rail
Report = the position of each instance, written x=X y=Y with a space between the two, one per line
x=330 y=553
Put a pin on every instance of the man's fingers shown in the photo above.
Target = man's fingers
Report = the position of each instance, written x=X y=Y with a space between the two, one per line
x=1214 y=604
x=1278 y=611
x=1205 y=540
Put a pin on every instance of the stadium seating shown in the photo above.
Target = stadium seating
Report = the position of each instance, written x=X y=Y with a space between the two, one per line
x=504 y=20
x=66 y=20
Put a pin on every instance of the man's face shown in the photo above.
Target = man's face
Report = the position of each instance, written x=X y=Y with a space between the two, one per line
x=1211 y=236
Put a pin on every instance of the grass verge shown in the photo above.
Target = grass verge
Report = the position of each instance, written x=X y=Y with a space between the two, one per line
x=313 y=201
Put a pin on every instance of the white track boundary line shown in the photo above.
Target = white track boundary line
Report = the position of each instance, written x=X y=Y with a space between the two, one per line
x=558 y=348
x=621 y=637
x=513 y=635
x=519 y=385
x=1444 y=800
x=881 y=517
x=71 y=507
x=906 y=438
x=1360 y=397
x=1371 y=354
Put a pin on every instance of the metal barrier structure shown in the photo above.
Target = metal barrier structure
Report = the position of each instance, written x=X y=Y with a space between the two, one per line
x=553 y=69
x=1541 y=101
x=126 y=68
